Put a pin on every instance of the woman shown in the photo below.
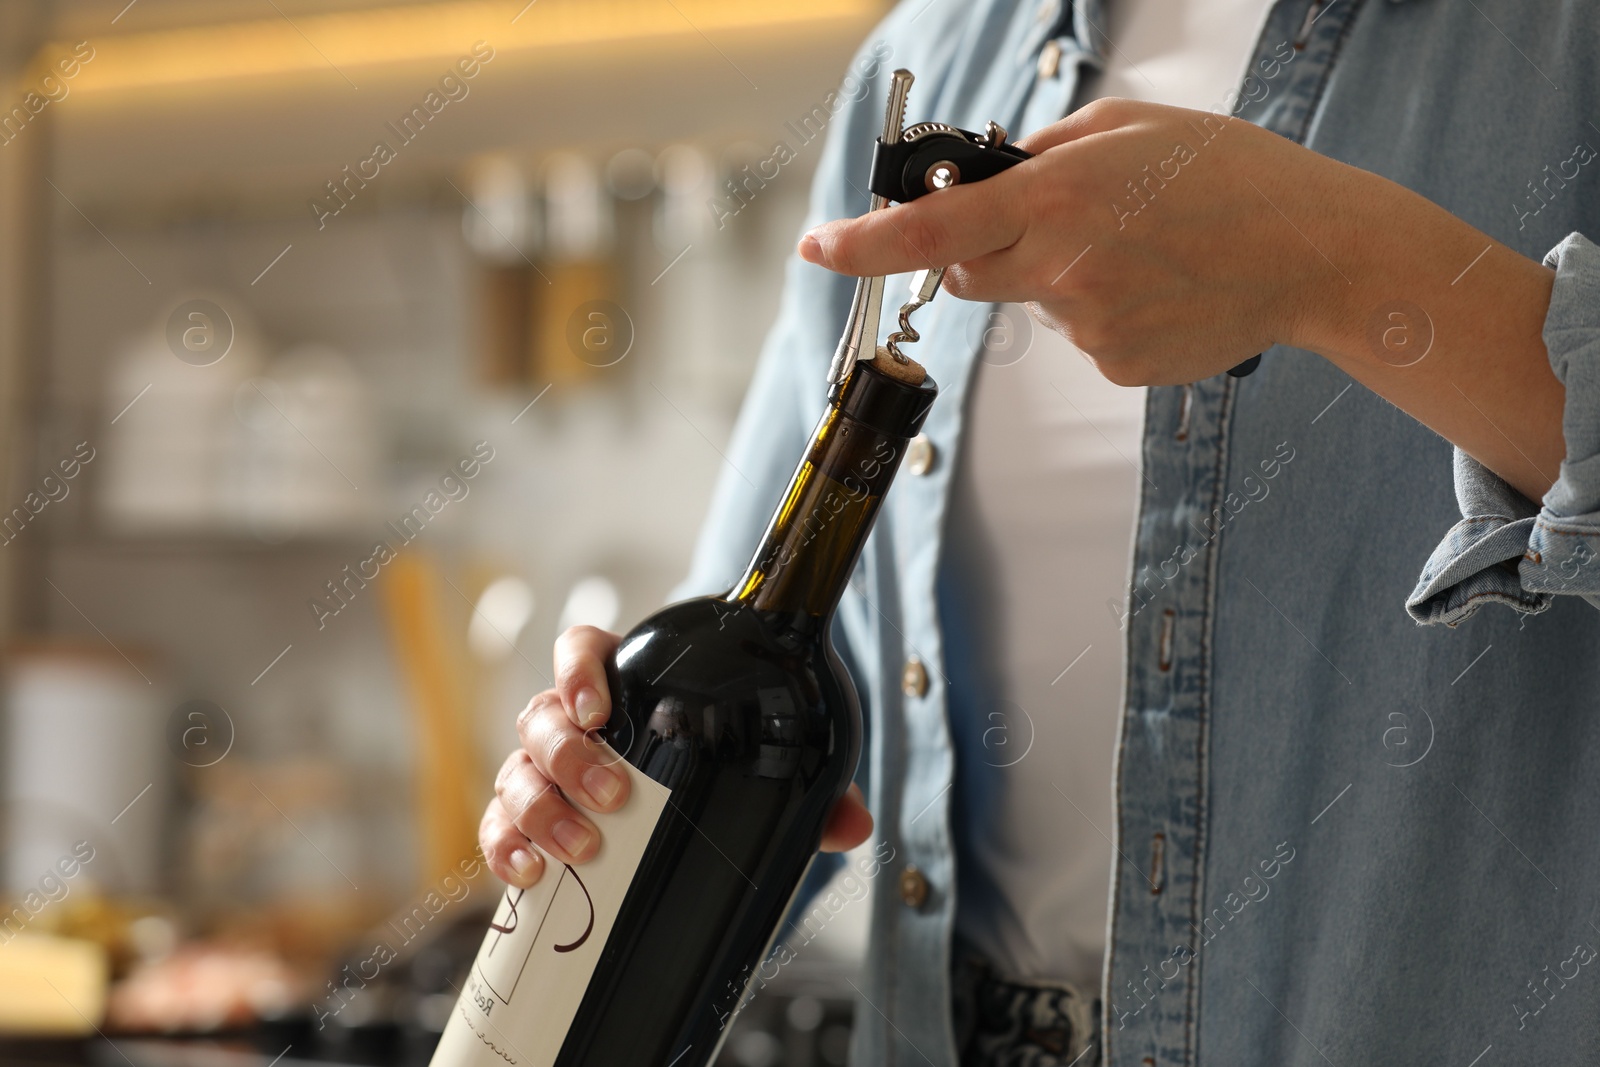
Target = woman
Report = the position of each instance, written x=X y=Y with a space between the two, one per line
x=1319 y=820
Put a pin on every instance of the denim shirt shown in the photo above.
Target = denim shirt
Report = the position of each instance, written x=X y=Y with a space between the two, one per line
x=1342 y=837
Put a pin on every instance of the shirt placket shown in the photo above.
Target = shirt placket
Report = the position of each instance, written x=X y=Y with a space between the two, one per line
x=1156 y=955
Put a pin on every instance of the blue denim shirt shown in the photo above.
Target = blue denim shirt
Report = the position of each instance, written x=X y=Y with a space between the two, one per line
x=1343 y=837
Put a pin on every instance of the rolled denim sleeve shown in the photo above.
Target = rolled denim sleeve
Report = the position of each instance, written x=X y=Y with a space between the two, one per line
x=1506 y=549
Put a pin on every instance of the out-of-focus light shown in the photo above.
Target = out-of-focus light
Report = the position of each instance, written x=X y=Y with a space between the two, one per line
x=684 y=174
x=630 y=174
x=593 y=601
x=503 y=609
x=756 y=1048
x=153 y=936
x=347 y=40
x=682 y=169
x=805 y=1013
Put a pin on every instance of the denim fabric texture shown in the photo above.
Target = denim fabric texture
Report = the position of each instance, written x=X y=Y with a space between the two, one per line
x=1343 y=838
x=1505 y=549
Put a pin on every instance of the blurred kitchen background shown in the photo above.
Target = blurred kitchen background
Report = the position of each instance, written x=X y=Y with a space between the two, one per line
x=240 y=346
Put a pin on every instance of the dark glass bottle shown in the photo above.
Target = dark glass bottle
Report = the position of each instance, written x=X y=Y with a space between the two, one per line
x=741 y=713
x=741 y=707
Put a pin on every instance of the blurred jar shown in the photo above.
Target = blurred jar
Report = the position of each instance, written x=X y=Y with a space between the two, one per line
x=219 y=442
x=301 y=458
x=170 y=391
x=85 y=761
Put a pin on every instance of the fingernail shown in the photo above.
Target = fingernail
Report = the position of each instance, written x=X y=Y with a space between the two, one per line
x=811 y=248
x=574 y=837
x=603 y=785
x=522 y=862
x=588 y=707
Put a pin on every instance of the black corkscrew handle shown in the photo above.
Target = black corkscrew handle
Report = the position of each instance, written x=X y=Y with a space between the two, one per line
x=931 y=156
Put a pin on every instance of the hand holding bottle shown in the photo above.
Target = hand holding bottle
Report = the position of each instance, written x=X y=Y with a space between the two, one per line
x=738 y=728
x=560 y=749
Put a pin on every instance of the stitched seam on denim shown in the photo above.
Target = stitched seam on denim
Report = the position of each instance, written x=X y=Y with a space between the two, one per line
x=1535 y=600
x=1119 y=830
x=1219 y=475
x=1349 y=18
x=1569 y=531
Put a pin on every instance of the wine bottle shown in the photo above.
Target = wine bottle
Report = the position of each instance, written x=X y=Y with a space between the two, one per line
x=740 y=729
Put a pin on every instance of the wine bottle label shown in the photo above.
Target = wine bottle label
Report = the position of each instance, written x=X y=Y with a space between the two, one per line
x=535 y=964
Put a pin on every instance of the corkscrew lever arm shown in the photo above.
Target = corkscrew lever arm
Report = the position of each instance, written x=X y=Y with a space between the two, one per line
x=866 y=307
x=907 y=164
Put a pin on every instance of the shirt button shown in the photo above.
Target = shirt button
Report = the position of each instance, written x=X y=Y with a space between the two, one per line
x=914 y=678
x=913 y=887
x=1050 y=60
x=920 y=454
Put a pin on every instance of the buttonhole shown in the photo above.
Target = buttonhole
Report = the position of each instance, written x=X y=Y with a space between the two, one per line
x=1164 y=660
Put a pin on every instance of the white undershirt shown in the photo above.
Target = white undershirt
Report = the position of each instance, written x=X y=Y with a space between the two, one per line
x=1041 y=518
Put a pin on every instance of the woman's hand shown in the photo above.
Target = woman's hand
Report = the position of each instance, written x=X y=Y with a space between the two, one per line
x=561 y=771
x=1146 y=234
x=1169 y=245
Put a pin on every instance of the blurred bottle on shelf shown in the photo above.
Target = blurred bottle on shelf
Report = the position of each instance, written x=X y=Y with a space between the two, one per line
x=580 y=327
x=549 y=277
x=499 y=223
x=502 y=228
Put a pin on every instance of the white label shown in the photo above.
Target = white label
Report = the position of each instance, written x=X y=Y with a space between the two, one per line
x=535 y=964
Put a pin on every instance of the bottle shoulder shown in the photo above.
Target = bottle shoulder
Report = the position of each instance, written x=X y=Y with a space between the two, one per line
x=712 y=681
x=727 y=627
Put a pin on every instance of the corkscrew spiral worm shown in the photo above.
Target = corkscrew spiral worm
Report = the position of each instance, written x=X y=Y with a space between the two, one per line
x=924 y=284
x=906 y=334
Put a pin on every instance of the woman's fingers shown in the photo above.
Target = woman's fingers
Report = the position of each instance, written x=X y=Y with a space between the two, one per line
x=541 y=813
x=1097 y=116
x=511 y=856
x=580 y=659
x=951 y=226
x=849 y=823
x=586 y=770
x=961 y=224
x=529 y=810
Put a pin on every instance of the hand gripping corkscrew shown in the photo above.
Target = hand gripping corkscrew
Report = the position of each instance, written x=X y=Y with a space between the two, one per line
x=908 y=162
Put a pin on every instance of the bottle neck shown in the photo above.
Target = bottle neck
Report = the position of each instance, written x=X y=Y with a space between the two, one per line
x=815 y=537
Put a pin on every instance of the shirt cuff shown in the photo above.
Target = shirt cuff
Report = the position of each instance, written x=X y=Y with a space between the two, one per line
x=1505 y=549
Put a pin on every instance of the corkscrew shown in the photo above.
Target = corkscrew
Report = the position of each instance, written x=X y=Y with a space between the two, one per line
x=924 y=284
x=907 y=163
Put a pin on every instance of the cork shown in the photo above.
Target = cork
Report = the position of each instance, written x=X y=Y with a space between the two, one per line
x=911 y=372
